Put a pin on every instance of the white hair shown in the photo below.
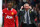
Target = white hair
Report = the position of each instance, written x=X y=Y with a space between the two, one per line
x=26 y=4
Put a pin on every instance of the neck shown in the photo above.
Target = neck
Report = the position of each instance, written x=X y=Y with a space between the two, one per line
x=9 y=8
x=26 y=9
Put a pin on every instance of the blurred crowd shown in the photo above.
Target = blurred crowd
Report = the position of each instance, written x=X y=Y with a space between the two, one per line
x=35 y=4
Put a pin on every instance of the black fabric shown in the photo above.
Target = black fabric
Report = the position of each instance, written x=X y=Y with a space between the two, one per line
x=30 y=25
x=32 y=16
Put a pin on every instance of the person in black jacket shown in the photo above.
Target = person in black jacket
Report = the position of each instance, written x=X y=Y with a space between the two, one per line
x=27 y=16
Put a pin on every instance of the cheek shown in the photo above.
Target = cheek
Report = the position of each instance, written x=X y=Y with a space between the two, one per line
x=9 y=6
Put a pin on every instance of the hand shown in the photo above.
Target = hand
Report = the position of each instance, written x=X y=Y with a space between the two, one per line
x=17 y=26
x=30 y=7
x=21 y=7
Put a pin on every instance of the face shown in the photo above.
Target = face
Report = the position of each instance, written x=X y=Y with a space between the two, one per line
x=39 y=11
x=26 y=6
x=9 y=5
x=36 y=5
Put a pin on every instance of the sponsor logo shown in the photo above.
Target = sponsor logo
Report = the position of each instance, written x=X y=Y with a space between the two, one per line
x=9 y=17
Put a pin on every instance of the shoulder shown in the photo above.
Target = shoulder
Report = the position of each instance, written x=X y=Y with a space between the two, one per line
x=4 y=9
x=31 y=10
x=14 y=10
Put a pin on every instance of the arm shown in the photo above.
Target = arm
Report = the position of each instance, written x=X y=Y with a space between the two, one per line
x=16 y=19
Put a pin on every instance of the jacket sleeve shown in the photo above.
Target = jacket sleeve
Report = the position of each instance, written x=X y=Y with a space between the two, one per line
x=34 y=14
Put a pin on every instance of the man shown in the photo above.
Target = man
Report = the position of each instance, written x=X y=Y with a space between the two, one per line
x=10 y=16
x=27 y=16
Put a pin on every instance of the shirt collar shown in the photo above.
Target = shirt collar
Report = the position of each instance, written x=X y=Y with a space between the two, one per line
x=26 y=11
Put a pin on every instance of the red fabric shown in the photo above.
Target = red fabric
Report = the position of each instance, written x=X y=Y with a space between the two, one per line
x=35 y=19
x=9 y=17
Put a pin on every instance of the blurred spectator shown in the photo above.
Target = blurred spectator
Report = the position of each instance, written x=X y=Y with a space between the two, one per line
x=39 y=16
x=36 y=5
x=39 y=25
x=21 y=3
x=14 y=5
x=3 y=6
x=36 y=20
x=29 y=2
x=39 y=5
x=32 y=3
x=25 y=0
x=36 y=1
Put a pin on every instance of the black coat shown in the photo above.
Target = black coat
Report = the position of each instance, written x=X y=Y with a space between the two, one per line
x=32 y=16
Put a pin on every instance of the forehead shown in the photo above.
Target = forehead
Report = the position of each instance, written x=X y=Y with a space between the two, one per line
x=9 y=3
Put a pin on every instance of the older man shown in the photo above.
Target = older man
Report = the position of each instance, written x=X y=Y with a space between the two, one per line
x=27 y=16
